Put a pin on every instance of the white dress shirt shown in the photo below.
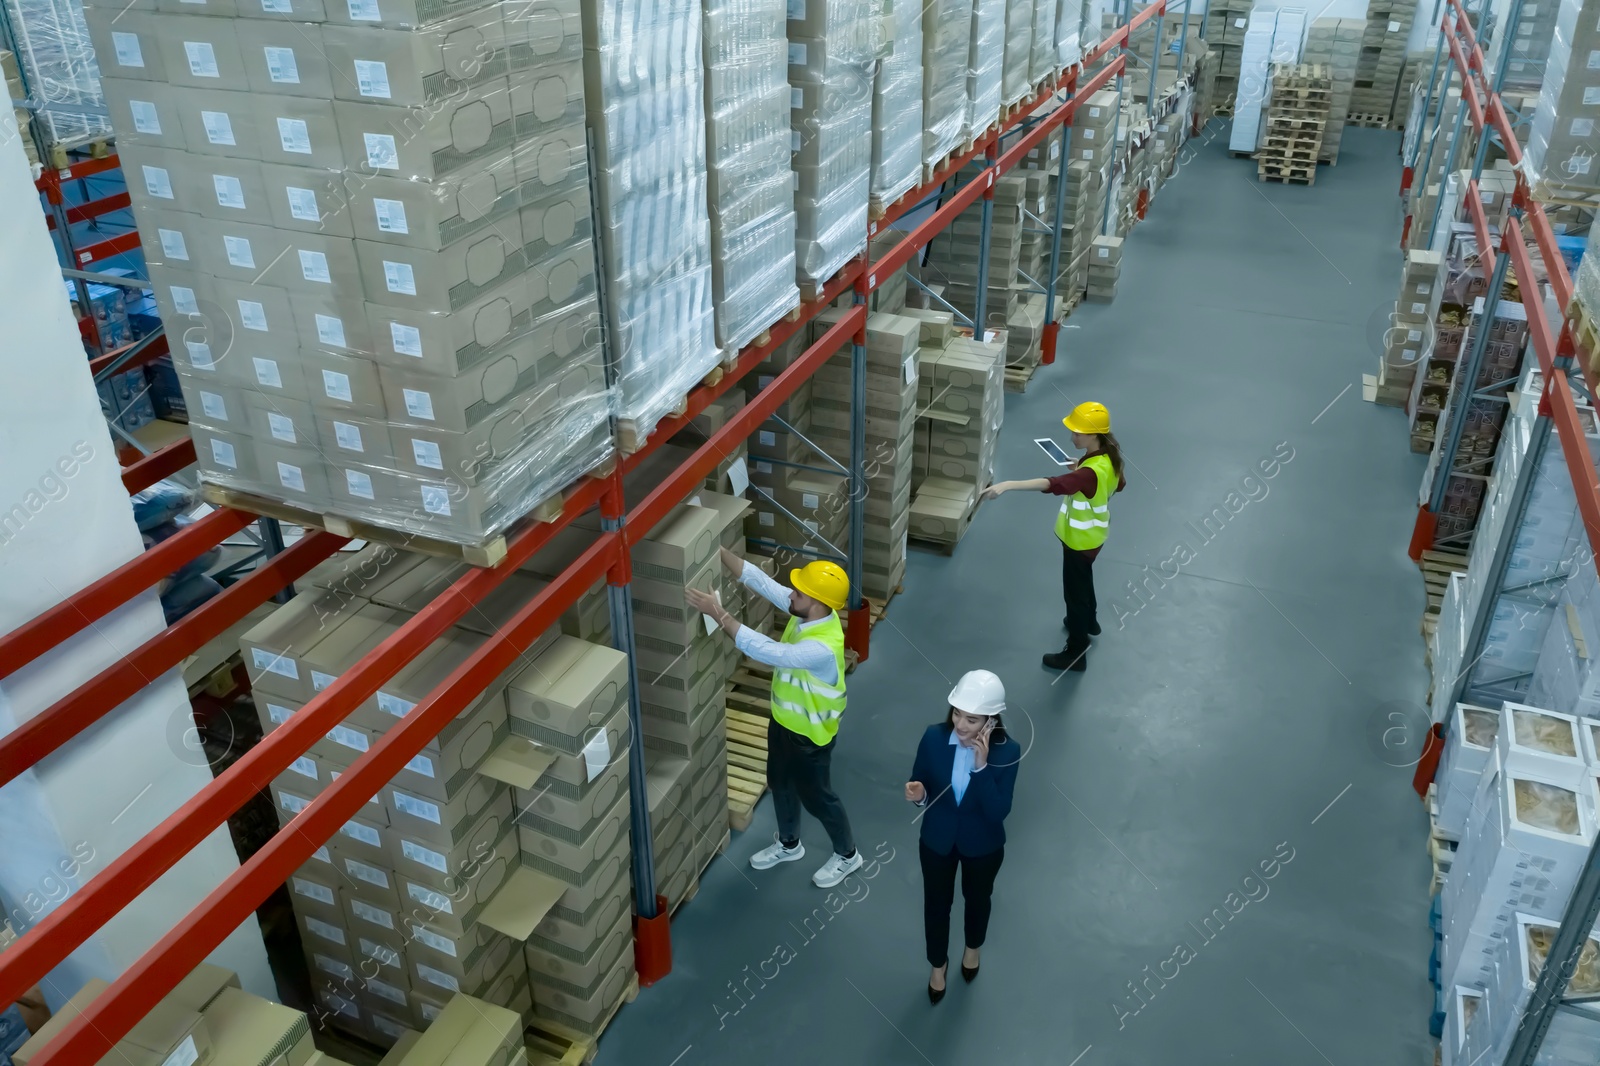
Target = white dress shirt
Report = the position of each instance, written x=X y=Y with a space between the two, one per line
x=811 y=655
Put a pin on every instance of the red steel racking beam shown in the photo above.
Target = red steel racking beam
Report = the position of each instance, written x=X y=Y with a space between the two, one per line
x=108 y=248
x=163 y=462
x=49 y=182
x=149 y=354
x=93 y=209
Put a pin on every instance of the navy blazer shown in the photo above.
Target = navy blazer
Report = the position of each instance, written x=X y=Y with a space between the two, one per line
x=976 y=825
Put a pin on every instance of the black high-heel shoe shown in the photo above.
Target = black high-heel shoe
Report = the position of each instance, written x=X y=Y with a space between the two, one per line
x=968 y=972
x=936 y=994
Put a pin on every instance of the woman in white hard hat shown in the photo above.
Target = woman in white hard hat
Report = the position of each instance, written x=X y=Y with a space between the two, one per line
x=1082 y=523
x=965 y=770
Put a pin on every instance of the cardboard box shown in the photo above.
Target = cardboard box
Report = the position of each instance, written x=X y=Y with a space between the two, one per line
x=253 y=1032
x=469 y=1032
x=565 y=692
x=474 y=124
x=443 y=822
x=201 y=52
x=59 y=1021
x=575 y=864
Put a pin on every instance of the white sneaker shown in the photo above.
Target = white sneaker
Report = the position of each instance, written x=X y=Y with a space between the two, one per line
x=836 y=869
x=767 y=858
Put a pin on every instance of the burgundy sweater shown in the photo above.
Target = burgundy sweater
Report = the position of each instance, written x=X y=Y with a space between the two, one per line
x=1083 y=480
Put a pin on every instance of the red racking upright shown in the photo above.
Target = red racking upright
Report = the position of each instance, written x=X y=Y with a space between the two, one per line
x=46 y=945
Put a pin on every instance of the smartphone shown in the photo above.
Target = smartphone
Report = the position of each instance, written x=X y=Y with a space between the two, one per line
x=1054 y=451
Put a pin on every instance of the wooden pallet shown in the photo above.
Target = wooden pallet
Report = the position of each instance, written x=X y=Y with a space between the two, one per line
x=632 y=435
x=1367 y=120
x=553 y=1044
x=1018 y=378
x=1437 y=566
x=694 y=887
x=749 y=713
x=1290 y=177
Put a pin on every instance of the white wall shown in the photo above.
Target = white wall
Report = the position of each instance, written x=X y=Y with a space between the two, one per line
x=65 y=521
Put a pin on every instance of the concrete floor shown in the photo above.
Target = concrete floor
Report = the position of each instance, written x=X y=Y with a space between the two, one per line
x=1237 y=717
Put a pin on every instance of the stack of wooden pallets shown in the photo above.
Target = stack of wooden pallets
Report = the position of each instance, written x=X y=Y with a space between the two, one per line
x=1297 y=117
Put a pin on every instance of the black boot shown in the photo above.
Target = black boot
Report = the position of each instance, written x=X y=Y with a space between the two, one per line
x=1073 y=657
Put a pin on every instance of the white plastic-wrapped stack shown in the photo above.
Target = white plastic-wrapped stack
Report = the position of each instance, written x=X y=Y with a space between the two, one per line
x=1273 y=36
x=897 y=115
x=646 y=105
x=53 y=49
x=748 y=182
x=833 y=48
x=1468 y=747
x=1573 y=1038
x=946 y=43
x=1017 y=66
x=986 y=54
x=1042 y=56
x=1561 y=161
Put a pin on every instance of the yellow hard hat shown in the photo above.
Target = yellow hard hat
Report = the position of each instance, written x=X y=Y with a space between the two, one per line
x=1089 y=417
x=823 y=581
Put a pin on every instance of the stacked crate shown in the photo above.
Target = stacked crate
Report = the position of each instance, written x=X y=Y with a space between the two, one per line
x=953 y=253
x=1411 y=336
x=1381 y=62
x=961 y=401
x=1336 y=44
x=1296 y=119
x=1226 y=21
x=1084 y=209
x=1561 y=142
x=897 y=90
x=370 y=229
x=946 y=41
x=1105 y=267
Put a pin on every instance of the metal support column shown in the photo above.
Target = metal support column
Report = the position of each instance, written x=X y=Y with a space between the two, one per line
x=1466 y=384
x=272 y=545
x=1425 y=156
x=1123 y=13
x=1576 y=923
x=1183 y=36
x=860 y=622
x=1510 y=30
x=979 y=330
x=1052 y=328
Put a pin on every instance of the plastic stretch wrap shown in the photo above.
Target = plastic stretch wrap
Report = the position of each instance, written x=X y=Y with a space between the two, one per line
x=1067 y=35
x=747 y=153
x=986 y=55
x=646 y=106
x=57 y=59
x=1563 y=155
x=946 y=44
x=380 y=290
x=1016 y=70
x=897 y=115
x=833 y=46
x=1586 y=282
x=1091 y=20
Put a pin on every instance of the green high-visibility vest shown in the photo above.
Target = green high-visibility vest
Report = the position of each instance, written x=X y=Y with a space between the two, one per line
x=1082 y=523
x=801 y=702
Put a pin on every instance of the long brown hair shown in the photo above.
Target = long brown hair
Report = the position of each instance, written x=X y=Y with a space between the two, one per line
x=1113 y=450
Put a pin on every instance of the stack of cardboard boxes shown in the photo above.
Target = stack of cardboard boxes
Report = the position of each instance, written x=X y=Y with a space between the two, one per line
x=1105 y=267
x=946 y=40
x=986 y=56
x=1561 y=143
x=1410 y=335
x=1336 y=44
x=953 y=253
x=961 y=400
x=368 y=226
x=1226 y=21
x=1382 y=61
x=897 y=117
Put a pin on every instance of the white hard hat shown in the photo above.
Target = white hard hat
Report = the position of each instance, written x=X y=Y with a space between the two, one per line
x=979 y=692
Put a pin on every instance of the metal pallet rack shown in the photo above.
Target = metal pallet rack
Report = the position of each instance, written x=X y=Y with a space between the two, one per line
x=1557 y=352
x=54 y=937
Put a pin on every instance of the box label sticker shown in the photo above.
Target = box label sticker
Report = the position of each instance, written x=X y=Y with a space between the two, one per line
x=382 y=153
x=330 y=330
x=387 y=1026
x=1239 y=23
x=1425 y=288
x=291 y=477
x=370 y=874
x=172 y=244
x=769 y=439
x=438 y=901
x=399 y=277
x=910 y=368
x=333 y=966
x=348 y=437
x=427 y=857
x=421 y=765
x=739 y=476
x=1419 y=309
x=337 y=386
x=199 y=351
x=395 y=705
x=1593 y=62
x=305 y=767
x=426 y=453
x=364 y=833
x=383 y=953
x=810 y=501
x=222 y=452
x=359 y=484
x=202 y=59
x=281 y=66
x=266 y=372
x=126 y=45
x=1591 y=95
x=391 y=215
x=145 y=118
x=372 y=79
x=294 y=135
x=314 y=267
x=303 y=204
x=219 y=127
x=417 y=808
x=350 y=738
x=1088 y=135
x=768 y=519
x=1414 y=335
x=596 y=755
x=407 y=340
x=239 y=253
x=281 y=427
x=277 y=7
x=252 y=316
x=797 y=98
x=797 y=10
x=364 y=11
x=368 y=913
x=388 y=957
x=230 y=193
x=184 y=1055
x=325 y=930
x=419 y=404
x=797 y=54
x=212 y=405
x=312 y=890
x=1582 y=127
x=292 y=803
x=436 y=500
x=157 y=182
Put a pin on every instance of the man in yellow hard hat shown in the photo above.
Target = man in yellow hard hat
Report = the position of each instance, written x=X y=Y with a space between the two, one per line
x=807 y=702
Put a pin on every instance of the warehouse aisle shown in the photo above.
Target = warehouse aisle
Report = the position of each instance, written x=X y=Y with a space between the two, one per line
x=1234 y=723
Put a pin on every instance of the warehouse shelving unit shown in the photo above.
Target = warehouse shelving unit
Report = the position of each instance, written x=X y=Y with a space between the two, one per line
x=53 y=938
x=1557 y=351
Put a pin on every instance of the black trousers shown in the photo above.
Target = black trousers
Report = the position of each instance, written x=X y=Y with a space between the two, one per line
x=939 y=895
x=799 y=773
x=1077 y=588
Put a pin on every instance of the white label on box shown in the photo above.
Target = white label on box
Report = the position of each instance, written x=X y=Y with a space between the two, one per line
x=276 y=664
x=278 y=715
x=349 y=438
x=1419 y=309
x=1425 y=288
x=126 y=45
x=429 y=938
x=1591 y=95
x=292 y=803
x=399 y=277
x=1408 y=355
x=364 y=11
x=372 y=79
x=1414 y=335
x=368 y=913
x=769 y=438
x=172 y=244
x=1593 y=62
x=202 y=60
x=797 y=54
x=426 y=453
x=199 y=352
x=291 y=477
x=797 y=99
x=157 y=182
x=391 y=215
x=303 y=204
x=277 y=7
x=425 y=856
x=382 y=153
x=1103 y=253
x=395 y=705
x=596 y=755
x=911 y=369
x=145 y=118
x=386 y=1026
x=417 y=808
x=430 y=1011
x=266 y=372
x=794 y=140
x=340 y=734
x=763 y=467
x=253 y=316
x=810 y=501
x=330 y=330
x=281 y=427
x=337 y=386
x=443 y=980
x=1239 y=23
x=1088 y=135
x=359 y=484
x=419 y=404
x=219 y=127
x=305 y=767
x=326 y=931
x=213 y=406
x=312 y=890
x=797 y=10
x=768 y=519
x=383 y=954
x=370 y=874
x=333 y=966
x=364 y=833
x=739 y=476
x=429 y=898
x=389 y=957
x=229 y=192
x=421 y=765
x=407 y=340
x=436 y=500
x=222 y=453
x=294 y=135
x=281 y=66
x=185 y=1055
x=1582 y=127
x=1394 y=27
x=239 y=253
x=314 y=267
